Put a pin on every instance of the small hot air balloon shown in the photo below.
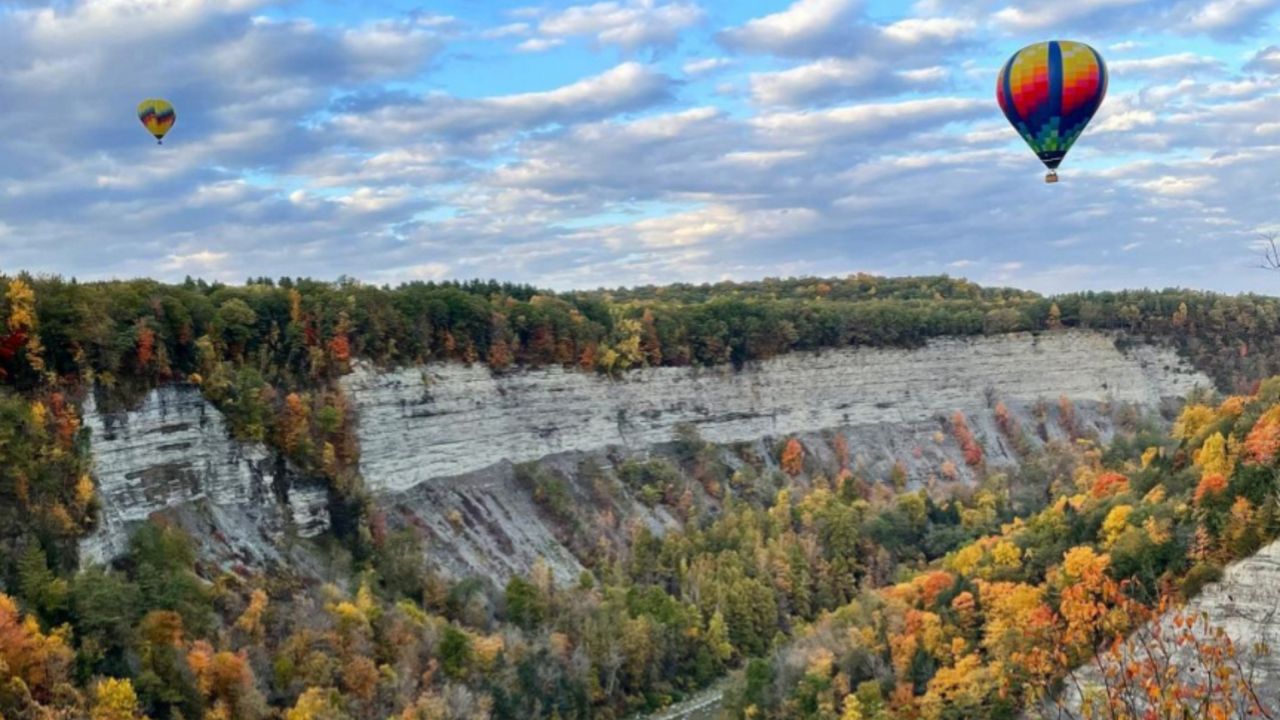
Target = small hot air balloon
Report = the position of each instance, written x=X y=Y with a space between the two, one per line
x=1049 y=91
x=157 y=116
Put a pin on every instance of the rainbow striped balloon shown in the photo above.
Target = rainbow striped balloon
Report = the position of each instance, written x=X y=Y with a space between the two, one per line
x=1049 y=91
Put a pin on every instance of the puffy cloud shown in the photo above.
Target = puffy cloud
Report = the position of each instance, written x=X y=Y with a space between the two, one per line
x=704 y=66
x=1027 y=16
x=808 y=28
x=1177 y=64
x=324 y=148
x=1231 y=18
x=867 y=121
x=626 y=87
x=1266 y=60
x=839 y=79
x=629 y=24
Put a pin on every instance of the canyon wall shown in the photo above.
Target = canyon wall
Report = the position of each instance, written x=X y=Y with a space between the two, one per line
x=419 y=424
x=437 y=443
x=172 y=455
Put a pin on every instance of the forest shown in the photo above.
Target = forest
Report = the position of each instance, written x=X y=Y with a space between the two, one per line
x=829 y=594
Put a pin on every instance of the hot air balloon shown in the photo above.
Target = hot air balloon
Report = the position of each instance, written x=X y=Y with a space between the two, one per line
x=1049 y=91
x=157 y=116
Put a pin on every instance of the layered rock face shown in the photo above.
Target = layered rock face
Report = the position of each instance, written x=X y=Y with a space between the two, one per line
x=173 y=455
x=419 y=424
x=437 y=442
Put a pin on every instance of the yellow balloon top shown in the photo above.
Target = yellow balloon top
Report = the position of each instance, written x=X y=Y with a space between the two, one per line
x=157 y=116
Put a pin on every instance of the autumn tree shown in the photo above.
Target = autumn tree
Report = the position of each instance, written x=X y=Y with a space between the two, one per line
x=968 y=443
x=792 y=458
x=115 y=699
x=22 y=323
x=650 y=345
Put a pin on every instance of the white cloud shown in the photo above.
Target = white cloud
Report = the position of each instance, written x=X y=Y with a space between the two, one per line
x=1173 y=64
x=1266 y=60
x=1038 y=16
x=1231 y=17
x=199 y=261
x=1126 y=46
x=937 y=29
x=867 y=120
x=519 y=29
x=628 y=86
x=705 y=66
x=1175 y=185
x=539 y=44
x=806 y=28
x=629 y=24
x=836 y=79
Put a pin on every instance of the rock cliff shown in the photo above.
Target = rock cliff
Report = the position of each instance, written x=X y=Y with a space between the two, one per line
x=173 y=455
x=437 y=442
x=419 y=424
x=1244 y=604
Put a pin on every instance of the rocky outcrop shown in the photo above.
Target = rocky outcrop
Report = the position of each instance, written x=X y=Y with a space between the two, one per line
x=1244 y=603
x=419 y=424
x=173 y=455
x=437 y=442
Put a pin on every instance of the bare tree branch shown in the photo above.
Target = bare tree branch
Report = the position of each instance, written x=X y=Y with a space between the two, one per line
x=1271 y=252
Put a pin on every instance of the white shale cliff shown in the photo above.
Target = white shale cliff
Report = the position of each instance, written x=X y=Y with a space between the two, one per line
x=441 y=439
x=437 y=443
x=173 y=455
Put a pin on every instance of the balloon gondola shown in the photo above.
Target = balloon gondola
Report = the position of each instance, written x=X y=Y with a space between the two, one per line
x=157 y=116
x=1049 y=91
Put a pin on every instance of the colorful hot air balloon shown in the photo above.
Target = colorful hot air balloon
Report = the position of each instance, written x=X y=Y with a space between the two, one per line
x=1049 y=91
x=157 y=116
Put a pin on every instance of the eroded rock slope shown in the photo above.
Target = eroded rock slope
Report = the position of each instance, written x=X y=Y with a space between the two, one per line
x=173 y=455
x=437 y=442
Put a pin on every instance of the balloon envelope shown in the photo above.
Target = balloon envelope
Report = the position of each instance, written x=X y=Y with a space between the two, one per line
x=157 y=116
x=1049 y=91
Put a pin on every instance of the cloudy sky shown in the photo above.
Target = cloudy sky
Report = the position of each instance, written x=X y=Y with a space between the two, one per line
x=631 y=141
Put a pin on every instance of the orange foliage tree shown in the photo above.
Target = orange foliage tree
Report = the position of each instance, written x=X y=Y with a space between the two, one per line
x=968 y=444
x=793 y=458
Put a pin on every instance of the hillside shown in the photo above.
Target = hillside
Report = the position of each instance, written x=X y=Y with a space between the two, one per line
x=484 y=500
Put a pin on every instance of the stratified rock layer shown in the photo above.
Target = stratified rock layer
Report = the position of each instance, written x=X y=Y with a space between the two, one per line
x=420 y=424
x=173 y=453
x=437 y=442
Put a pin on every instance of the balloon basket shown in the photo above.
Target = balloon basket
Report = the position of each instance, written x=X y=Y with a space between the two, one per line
x=1051 y=177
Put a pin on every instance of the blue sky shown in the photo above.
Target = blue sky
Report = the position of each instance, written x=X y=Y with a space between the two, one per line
x=623 y=142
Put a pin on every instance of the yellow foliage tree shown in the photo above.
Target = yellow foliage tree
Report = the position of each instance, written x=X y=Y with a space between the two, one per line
x=1192 y=419
x=38 y=661
x=115 y=699
x=1114 y=524
x=317 y=704
x=250 y=620
x=1213 y=458
x=22 y=319
x=1006 y=554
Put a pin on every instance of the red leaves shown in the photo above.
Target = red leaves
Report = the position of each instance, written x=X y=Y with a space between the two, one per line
x=146 y=346
x=1108 y=484
x=340 y=348
x=968 y=444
